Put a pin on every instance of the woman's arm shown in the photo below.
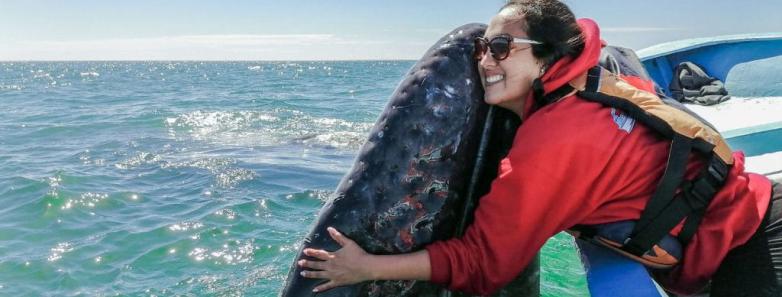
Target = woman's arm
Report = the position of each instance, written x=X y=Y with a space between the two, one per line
x=351 y=264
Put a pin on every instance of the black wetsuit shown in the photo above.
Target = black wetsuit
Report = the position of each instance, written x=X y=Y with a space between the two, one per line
x=755 y=268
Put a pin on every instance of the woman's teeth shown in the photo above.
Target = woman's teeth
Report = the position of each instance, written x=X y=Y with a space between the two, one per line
x=494 y=79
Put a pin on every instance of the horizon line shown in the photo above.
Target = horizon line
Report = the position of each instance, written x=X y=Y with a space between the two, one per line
x=209 y=60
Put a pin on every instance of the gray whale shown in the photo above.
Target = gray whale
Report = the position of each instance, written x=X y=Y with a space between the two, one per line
x=432 y=152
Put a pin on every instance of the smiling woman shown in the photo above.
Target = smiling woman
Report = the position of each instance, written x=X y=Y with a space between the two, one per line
x=573 y=164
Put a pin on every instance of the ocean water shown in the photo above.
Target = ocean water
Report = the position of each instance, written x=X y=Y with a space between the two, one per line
x=184 y=178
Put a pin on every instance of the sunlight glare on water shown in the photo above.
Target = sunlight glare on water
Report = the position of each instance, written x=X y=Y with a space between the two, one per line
x=200 y=178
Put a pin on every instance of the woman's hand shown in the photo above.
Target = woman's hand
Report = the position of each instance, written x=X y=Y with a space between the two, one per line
x=348 y=265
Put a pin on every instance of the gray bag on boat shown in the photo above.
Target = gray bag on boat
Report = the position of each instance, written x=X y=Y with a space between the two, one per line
x=690 y=84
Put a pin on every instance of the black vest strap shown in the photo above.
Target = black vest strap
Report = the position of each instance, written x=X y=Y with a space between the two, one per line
x=671 y=179
x=700 y=192
x=543 y=99
x=662 y=212
x=593 y=79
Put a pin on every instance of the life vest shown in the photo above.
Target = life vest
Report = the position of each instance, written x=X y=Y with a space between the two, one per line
x=647 y=240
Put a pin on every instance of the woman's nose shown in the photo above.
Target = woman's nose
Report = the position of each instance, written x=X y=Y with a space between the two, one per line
x=487 y=60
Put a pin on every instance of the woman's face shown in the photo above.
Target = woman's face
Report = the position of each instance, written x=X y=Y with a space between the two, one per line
x=508 y=82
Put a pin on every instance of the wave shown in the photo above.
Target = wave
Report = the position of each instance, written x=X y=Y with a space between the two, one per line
x=278 y=127
x=10 y=87
x=226 y=174
x=89 y=74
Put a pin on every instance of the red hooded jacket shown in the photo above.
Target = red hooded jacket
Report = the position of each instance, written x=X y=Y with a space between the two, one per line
x=570 y=164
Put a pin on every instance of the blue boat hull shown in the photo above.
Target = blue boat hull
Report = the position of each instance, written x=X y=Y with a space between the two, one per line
x=716 y=56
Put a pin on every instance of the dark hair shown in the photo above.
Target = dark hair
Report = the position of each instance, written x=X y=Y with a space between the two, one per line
x=552 y=23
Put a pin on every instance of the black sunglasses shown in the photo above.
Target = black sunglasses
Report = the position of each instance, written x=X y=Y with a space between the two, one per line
x=499 y=46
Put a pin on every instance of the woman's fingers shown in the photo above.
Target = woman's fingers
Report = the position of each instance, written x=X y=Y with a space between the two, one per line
x=324 y=287
x=319 y=254
x=338 y=237
x=319 y=265
x=314 y=274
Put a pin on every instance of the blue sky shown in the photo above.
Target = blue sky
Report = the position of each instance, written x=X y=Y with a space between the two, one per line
x=326 y=29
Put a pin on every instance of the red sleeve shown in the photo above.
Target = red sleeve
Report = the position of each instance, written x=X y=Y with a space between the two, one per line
x=542 y=189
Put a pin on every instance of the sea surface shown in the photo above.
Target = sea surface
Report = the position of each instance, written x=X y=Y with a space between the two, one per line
x=183 y=178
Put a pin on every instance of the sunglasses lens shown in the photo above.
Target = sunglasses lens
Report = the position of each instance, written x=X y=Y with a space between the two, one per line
x=500 y=47
x=480 y=48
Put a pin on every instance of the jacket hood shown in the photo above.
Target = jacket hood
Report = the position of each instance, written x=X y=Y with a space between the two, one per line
x=569 y=68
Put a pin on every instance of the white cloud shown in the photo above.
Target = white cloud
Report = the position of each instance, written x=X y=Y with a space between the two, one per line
x=214 y=47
